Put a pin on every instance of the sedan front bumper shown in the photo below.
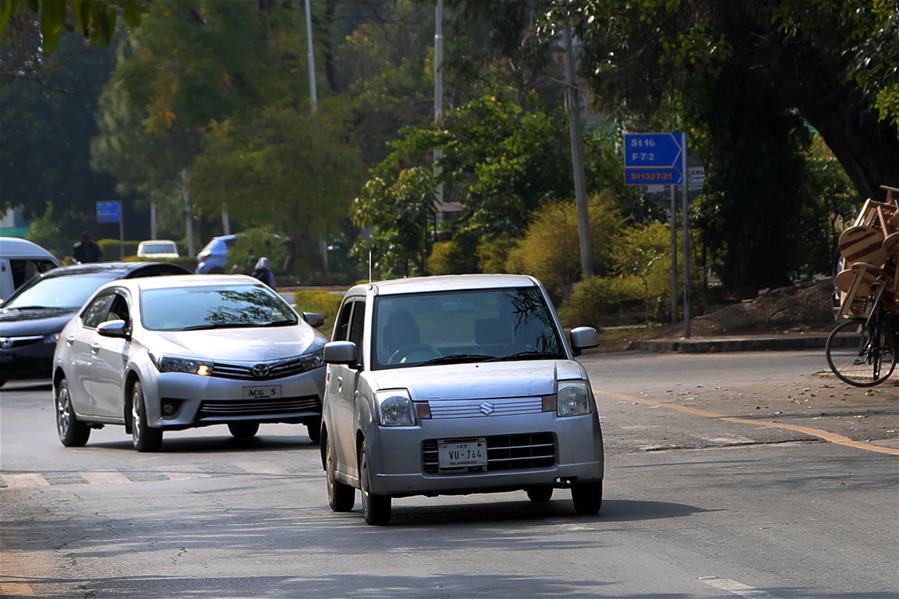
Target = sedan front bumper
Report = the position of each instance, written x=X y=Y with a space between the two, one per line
x=408 y=467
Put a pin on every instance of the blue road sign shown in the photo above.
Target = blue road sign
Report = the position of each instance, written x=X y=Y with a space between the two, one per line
x=109 y=212
x=653 y=159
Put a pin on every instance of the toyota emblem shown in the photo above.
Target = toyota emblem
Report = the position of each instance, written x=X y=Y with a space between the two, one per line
x=487 y=408
x=260 y=371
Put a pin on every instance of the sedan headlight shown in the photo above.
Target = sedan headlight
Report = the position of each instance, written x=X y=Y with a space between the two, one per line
x=395 y=408
x=314 y=359
x=187 y=365
x=573 y=398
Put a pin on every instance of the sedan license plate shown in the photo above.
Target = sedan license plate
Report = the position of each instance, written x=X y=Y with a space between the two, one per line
x=266 y=392
x=461 y=454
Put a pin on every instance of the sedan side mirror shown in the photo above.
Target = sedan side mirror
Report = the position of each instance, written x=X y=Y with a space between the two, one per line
x=113 y=328
x=584 y=338
x=313 y=320
x=340 y=352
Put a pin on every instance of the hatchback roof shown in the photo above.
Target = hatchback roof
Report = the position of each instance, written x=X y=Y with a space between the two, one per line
x=14 y=247
x=448 y=283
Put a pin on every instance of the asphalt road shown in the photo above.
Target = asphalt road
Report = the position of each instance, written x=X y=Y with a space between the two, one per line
x=696 y=505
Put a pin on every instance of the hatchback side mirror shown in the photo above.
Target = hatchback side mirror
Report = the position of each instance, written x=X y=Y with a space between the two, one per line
x=313 y=320
x=340 y=352
x=584 y=338
x=113 y=328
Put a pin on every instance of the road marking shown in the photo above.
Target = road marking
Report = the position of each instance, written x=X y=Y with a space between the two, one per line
x=105 y=478
x=835 y=438
x=264 y=469
x=735 y=587
x=25 y=479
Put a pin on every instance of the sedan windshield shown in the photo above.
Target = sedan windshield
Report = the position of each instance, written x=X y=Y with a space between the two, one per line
x=463 y=326
x=58 y=292
x=196 y=308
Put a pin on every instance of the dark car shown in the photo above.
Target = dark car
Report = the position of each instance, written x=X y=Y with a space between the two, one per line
x=31 y=318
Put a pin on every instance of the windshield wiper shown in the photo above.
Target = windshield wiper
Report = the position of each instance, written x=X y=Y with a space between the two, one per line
x=528 y=354
x=454 y=358
x=279 y=323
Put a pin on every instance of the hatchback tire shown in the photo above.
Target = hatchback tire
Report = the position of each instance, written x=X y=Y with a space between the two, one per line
x=587 y=497
x=143 y=437
x=72 y=432
x=243 y=430
x=375 y=508
x=540 y=494
x=341 y=497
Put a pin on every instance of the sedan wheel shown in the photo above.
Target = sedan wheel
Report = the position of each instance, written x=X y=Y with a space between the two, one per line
x=243 y=430
x=72 y=432
x=375 y=508
x=341 y=497
x=143 y=437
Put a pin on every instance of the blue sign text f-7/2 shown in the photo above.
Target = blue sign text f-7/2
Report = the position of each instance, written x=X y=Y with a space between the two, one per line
x=653 y=158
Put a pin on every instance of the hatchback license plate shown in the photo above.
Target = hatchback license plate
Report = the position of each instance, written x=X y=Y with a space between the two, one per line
x=267 y=392
x=461 y=454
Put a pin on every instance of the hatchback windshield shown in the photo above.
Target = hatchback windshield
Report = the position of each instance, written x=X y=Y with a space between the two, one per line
x=463 y=326
x=194 y=308
x=59 y=292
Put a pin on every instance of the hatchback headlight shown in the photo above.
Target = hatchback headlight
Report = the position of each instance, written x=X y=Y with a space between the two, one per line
x=573 y=398
x=187 y=365
x=395 y=408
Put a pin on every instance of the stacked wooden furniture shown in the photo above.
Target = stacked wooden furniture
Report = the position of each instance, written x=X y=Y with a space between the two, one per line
x=870 y=249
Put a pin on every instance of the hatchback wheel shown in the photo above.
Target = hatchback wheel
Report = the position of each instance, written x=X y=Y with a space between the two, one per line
x=587 y=497
x=341 y=497
x=243 y=430
x=72 y=432
x=143 y=437
x=540 y=494
x=375 y=508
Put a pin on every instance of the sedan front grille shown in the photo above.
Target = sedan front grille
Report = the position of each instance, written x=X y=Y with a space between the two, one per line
x=272 y=370
x=504 y=452
x=285 y=405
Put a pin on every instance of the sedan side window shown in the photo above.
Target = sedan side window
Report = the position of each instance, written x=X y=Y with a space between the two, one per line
x=96 y=311
x=119 y=310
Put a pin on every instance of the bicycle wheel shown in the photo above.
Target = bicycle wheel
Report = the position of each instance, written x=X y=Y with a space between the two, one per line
x=859 y=354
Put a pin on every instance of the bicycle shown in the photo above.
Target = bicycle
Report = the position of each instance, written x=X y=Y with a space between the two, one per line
x=862 y=351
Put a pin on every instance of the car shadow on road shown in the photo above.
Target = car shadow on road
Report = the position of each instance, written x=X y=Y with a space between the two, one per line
x=207 y=444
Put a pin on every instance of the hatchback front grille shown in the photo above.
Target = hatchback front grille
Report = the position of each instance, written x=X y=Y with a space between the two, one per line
x=479 y=408
x=285 y=405
x=504 y=452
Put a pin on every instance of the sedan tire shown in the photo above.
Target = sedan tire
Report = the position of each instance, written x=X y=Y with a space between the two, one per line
x=375 y=508
x=143 y=436
x=341 y=497
x=587 y=497
x=72 y=432
x=243 y=430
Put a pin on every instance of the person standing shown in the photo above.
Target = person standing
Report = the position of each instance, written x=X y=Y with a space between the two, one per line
x=263 y=273
x=86 y=250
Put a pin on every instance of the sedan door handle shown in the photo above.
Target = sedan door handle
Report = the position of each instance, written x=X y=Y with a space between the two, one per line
x=95 y=348
x=70 y=339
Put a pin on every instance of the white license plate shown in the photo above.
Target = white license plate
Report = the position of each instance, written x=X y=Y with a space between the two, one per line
x=266 y=392
x=461 y=454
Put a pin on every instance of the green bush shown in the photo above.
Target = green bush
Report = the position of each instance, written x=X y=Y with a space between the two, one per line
x=111 y=251
x=644 y=253
x=454 y=257
x=594 y=298
x=493 y=254
x=320 y=301
x=263 y=241
x=550 y=250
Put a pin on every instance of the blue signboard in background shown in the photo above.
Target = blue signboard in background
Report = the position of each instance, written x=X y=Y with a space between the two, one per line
x=109 y=212
x=653 y=159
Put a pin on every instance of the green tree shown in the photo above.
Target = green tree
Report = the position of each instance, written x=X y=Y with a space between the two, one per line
x=644 y=252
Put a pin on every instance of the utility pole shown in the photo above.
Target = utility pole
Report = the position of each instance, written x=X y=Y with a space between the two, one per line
x=187 y=213
x=310 y=58
x=686 y=216
x=438 y=96
x=673 y=224
x=572 y=105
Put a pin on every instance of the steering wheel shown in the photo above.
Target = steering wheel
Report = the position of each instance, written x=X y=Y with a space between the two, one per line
x=404 y=353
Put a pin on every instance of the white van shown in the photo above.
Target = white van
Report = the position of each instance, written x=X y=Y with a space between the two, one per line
x=19 y=261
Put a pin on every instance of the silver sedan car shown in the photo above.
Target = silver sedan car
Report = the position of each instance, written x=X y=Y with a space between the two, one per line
x=458 y=384
x=170 y=353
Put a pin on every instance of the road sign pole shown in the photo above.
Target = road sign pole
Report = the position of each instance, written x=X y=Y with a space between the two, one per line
x=122 y=232
x=187 y=213
x=673 y=224
x=686 y=210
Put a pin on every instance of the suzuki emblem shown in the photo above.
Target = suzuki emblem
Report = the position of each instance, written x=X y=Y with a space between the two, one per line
x=487 y=408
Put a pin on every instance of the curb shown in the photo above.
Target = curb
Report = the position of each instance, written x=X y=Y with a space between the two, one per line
x=731 y=344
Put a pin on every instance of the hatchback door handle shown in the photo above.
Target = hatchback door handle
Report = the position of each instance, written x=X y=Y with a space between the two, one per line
x=70 y=339
x=95 y=348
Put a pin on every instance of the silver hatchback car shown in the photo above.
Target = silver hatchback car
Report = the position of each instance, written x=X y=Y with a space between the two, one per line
x=454 y=385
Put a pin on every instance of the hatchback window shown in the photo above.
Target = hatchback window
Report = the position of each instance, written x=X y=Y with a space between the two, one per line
x=194 y=308
x=464 y=326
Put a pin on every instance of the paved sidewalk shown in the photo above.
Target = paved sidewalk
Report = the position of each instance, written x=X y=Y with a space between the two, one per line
x=736 y=343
